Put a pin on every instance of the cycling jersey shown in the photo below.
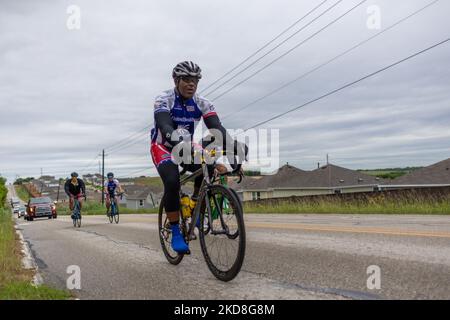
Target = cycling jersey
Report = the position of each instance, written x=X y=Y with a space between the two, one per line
x=185 y=114
x=111 y=186
x=74 y=189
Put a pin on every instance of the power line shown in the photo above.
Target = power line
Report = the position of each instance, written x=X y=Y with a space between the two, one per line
x=264 y=46
x=287 y=52
x=349 y=84
x=276 y=47
x=129 y=159
x=126 y=142
x=91 y=162
x=331 y=60
x=128 y=139
x=135 y=172
x=130 y=144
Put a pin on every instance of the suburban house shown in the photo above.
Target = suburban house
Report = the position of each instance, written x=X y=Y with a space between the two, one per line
x=331 y=179
x=126 y=182
x=435 y=175
x=291 y=181
x=140 y=197
x=47 y=186
x=94 y=179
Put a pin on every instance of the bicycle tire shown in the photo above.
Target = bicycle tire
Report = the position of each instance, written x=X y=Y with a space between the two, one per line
x=231 y=272
x=116 y=214
x=164 y=236
x=78 y=215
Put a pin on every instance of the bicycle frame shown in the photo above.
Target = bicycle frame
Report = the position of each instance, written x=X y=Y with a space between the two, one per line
x=113 y=202
x=113 y=206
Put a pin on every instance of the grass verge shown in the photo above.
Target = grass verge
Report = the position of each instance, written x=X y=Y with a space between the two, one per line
x=15 y=282
x=338 y=207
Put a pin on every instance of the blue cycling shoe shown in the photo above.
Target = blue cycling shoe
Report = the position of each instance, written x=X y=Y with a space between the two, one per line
x=178 y=243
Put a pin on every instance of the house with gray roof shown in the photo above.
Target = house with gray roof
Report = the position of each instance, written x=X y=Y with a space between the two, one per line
x=290 y=181
x=140 y=197
x=435 y=175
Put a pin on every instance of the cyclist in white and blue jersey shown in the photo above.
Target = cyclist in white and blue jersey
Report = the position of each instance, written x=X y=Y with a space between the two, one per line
x=110 y=189
x=177 y=112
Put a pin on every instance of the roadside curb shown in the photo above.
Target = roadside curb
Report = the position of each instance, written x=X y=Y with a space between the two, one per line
x=28 y=261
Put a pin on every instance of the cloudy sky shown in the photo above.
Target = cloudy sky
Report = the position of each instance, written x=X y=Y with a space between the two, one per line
x=65 y=94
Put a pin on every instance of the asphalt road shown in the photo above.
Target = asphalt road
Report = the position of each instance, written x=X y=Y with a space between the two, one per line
x=288 y=257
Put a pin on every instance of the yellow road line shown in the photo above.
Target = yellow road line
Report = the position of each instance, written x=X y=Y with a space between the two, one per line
x=396 y=232
x=297 y=226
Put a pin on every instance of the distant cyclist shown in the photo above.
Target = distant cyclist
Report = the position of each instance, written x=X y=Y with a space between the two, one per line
x=177 y=112
x=110 y=189
x=75 y=187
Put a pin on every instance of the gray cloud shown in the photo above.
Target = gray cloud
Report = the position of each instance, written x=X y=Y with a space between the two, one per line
x=65 y=95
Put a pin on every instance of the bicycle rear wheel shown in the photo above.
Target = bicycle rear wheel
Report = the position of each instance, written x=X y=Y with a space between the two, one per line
x=223 y=247
x=165 y=236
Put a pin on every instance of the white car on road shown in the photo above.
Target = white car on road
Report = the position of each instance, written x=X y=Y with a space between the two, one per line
x=20 y=212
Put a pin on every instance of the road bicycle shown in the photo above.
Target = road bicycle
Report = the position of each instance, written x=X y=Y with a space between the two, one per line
x=221 y=227
x=113 y=211
x=76 y=212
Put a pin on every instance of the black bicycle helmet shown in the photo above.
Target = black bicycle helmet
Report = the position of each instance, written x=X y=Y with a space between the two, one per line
x=74 y=175
x=110 y=175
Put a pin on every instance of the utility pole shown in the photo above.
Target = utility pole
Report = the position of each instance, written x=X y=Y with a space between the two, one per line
x=103 y=177
x=329 y=172
x=59 y=185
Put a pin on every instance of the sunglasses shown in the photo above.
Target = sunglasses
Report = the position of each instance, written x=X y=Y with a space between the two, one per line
x=190 y=79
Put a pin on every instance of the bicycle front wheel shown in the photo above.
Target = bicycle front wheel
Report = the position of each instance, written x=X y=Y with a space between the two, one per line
x=109 y=214
x=116 y=214
x=165 y=236
x=224 y=245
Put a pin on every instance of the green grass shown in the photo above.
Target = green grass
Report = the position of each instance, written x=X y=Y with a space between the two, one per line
x=149 y=181
x=26 y=291
x=338 y=207
x=15 y=282
x=95 y=208
x=386 y=174
x=389 y=173
x=22 y=193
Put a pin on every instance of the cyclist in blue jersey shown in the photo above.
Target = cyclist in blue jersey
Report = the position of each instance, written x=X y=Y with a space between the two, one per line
x=110 y=189
x=177 y=112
